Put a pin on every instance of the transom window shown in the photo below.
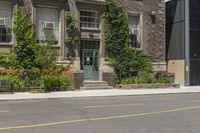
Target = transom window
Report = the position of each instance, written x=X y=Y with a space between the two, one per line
x=5 y=22
x=47 y=25
x=134 y=31
x=89 y=19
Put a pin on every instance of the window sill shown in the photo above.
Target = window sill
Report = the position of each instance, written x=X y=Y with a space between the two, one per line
x=136 y=48
x=56 y=46
x=94 y=29
x=6 y=44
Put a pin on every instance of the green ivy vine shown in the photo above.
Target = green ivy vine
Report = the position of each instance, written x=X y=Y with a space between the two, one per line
x=72 y=33
x=122 y=58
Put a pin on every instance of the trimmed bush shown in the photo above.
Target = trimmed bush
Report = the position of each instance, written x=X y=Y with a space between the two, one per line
x=54 y=82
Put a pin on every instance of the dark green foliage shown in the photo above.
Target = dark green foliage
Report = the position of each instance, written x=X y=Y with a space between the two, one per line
x=17 y=83
x=5 y=59
x=24 y=52
x=166 y=79
x=145 y=77
x=123 y=59
x=52 y=41
x=45 y=57
x=46 y=82
x=52 y=82
x=115 y=28
x=31 y=77
x=142 y=78
x=139 y=61
x=128 y=60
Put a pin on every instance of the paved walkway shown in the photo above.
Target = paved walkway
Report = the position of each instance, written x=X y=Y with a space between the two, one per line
x=97 y=93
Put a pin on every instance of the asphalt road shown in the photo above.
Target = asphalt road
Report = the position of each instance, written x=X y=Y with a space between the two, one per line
x=132 y=114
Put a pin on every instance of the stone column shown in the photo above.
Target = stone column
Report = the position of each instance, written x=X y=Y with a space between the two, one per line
x=62 y=34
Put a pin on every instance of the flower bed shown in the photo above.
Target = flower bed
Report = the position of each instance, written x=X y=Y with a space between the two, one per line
x=36 y=80
x=9 y=72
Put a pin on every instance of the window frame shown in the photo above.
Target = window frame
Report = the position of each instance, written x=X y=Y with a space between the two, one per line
x=97 y=16
x=10 y=28
x=140 y=16
x=59 y=23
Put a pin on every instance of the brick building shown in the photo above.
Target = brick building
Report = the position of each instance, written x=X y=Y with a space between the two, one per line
x=146 y=26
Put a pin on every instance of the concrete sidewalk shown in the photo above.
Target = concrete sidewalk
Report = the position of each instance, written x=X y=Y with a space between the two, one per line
x=97 y=93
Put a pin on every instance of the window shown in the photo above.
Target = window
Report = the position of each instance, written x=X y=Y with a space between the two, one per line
x=195 y=14
x=134 y=31
x=89 y=19
x=47 y=25
x=5 y=22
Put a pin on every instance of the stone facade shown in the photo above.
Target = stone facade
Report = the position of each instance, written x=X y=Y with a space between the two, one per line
x=151 y=15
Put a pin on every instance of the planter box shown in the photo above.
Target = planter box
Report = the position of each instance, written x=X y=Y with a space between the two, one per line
x=147 y=86
x=109 y=77
x=77 y=80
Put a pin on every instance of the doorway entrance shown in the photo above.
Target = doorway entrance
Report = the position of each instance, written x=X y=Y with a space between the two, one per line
x=90 y=59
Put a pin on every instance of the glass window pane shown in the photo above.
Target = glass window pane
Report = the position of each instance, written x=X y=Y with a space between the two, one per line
x=89 y=19
x=5 y=15
x=47 y=24
x=134 y=31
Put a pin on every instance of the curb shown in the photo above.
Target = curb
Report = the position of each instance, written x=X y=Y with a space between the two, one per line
x=94 y=93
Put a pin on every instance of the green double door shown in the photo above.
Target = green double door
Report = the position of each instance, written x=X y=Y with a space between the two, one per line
x=90 y=60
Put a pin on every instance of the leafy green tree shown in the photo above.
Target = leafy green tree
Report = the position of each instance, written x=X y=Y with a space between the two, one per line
x=24 y=52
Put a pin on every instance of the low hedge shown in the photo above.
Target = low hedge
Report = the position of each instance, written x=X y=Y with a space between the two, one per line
x=47 y=82
x=52 y=82
x=144 y=77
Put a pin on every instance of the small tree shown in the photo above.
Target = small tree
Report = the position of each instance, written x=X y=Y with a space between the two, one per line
x=24 y=54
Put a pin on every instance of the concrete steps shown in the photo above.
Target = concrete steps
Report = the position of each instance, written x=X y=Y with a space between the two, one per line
x=96 y=85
